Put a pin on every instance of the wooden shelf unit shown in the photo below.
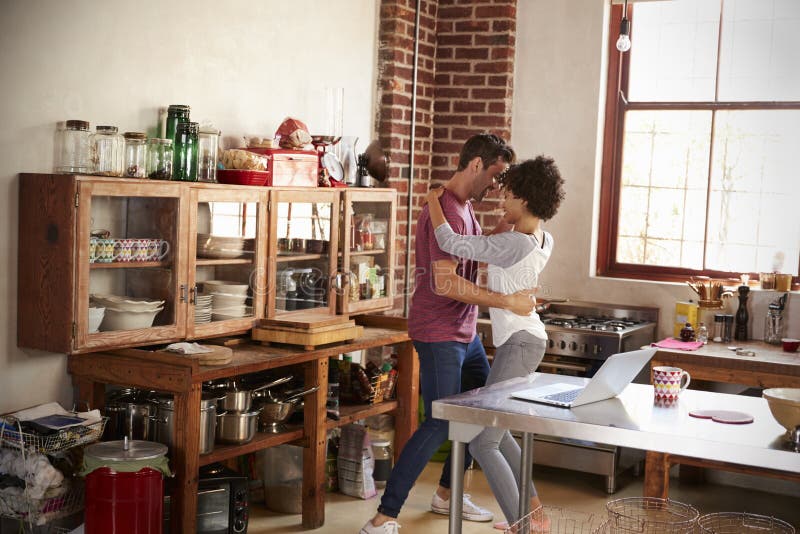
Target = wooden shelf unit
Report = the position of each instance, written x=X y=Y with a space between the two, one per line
x=184 y=378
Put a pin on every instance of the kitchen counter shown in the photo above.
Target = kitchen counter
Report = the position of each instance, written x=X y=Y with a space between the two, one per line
x=630 y=420
x=770 y=367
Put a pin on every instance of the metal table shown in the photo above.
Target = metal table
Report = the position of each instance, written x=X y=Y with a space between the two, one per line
x=630 y=420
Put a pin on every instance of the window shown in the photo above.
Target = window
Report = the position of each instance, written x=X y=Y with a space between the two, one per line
x=702 y=138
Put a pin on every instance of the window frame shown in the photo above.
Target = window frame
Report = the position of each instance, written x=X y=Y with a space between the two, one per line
x=613 y=139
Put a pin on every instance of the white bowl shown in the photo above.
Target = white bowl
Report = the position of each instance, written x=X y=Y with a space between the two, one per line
x=223 y=301
x=784 y=403
x=117 y=319
x=225 y=286
x=95 y=318
x=127 y=303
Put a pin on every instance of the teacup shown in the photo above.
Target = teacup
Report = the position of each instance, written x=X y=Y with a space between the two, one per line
x=668 y=383
x=104 y=250
x=139 y=252
x=123 y=250
x=157 y=249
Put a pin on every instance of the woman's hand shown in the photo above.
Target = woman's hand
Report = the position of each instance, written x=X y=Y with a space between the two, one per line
x=434 y=194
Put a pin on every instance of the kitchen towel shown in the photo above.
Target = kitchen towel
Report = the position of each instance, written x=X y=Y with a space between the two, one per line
x=672 y=343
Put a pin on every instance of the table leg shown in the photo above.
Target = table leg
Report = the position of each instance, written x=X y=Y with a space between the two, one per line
x=407 y=394
x=186 y=455
x=314 y=454
x=526 y=466
x=456 y=485
x=656 y=475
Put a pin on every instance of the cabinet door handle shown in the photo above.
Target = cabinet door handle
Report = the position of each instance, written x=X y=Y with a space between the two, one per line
x=183 y=293
x=192 y=294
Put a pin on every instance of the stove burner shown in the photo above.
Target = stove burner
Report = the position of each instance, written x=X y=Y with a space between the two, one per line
x=602 y=324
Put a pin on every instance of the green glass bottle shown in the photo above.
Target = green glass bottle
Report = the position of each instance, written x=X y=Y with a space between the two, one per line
x=186 y=152
x=175 y=113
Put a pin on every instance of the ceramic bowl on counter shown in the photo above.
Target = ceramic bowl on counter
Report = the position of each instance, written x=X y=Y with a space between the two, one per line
x=95 y=319
x=784 y=403
x=120 y=319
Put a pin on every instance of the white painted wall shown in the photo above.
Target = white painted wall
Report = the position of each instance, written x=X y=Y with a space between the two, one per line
x=559 y=100
x=245 y=65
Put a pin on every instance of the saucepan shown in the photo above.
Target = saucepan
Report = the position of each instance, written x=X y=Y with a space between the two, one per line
x=236 y=428
x=275 y=411
x=238 y=399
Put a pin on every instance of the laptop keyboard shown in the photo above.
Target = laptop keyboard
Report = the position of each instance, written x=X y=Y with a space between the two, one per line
x=564 y=396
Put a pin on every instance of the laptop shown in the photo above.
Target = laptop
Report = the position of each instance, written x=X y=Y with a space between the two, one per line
x=613 y=376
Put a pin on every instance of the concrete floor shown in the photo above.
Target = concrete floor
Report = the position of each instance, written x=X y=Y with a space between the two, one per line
x=569 y=490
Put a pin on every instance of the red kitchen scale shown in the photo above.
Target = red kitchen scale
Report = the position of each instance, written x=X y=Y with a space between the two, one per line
x=328 y=160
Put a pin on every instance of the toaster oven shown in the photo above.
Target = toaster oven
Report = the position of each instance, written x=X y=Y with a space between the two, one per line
x=222 y=502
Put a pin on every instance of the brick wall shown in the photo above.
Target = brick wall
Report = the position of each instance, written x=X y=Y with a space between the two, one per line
x=465 y=82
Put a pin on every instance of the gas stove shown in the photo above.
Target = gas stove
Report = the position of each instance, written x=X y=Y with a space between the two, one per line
x=601 y=324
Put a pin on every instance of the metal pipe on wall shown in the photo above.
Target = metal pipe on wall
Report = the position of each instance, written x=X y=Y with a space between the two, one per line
x=410 y=204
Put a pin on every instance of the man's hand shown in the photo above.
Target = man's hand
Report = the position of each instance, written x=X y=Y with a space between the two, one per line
x=522 y=302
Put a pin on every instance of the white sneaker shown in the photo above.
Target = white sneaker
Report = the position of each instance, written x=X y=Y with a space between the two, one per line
x=390 y=527
x=469 y=511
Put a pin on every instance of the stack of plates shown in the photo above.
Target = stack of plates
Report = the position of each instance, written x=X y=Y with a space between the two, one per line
x=212 y=246
x=228 y=299
x=202 y=309
x=126 y=313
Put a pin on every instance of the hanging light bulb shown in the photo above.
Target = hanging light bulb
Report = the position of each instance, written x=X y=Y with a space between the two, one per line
x=624 y=41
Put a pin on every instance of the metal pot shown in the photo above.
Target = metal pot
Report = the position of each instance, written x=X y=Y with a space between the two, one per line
x=275 y=412
x=241 y=399
x=131 y=413
x=165 y=422
x=236 y=428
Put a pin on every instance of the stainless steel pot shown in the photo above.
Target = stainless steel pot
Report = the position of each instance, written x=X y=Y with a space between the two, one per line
x=236 y=428
x=131 y=414
x=241 y=399
x=165 y=422
x=275 y=412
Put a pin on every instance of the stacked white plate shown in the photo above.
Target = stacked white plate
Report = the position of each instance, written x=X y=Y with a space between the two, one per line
x=212 y=246
x=202 y=309
x=228 y=299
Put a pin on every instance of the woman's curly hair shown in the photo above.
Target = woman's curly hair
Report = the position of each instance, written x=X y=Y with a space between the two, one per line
x=538 y=182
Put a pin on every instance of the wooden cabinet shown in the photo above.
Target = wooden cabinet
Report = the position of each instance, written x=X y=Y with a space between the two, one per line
x=367 y=251
x=303 y=251
x=168 y=261
x=58 y=272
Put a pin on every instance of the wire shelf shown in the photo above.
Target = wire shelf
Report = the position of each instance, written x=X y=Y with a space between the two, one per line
x=11 y=435
x=555 y=520
x=58 y=503
x=650 y=515
x=742 y=523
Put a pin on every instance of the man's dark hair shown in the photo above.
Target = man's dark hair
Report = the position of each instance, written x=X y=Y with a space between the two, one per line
x=538 y=182
x=488 y=147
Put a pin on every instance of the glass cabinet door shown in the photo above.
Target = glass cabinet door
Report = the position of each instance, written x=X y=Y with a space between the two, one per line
x=227 y=240
x=303 y=248
x=366 y=280
x=131 y=288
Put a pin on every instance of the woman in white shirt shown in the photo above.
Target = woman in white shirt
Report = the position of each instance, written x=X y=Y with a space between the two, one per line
x=533 y=192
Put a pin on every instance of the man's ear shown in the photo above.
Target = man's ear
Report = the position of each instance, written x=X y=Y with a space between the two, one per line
x=476 y=164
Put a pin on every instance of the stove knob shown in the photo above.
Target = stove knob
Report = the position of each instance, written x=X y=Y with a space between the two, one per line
x=595 y=349
x=551 y=343
x=584 y=347
x=563 y=344
x=573 y=346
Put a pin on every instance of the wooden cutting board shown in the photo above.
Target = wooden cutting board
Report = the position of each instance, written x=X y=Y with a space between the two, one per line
x=306 y=320
x=308 y=339
x=218 y=356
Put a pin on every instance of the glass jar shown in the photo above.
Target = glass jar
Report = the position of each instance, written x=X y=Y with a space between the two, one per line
x=176 y=113
x=135 y=154
x=159 y=159
x=773 y=326
x=208 y=143
x=702 y=334
x=108 y=148
x=727 y=333
x=719 y=328
x=308 y=293
x=382 y=451
x=73 y=155
x=185 y=160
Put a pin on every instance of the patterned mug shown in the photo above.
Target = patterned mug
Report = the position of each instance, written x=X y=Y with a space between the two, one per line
x=139 y=251
x=104 y=251
x=123 y=250
x=157 y=249
x=93 y=249
x=668 y=383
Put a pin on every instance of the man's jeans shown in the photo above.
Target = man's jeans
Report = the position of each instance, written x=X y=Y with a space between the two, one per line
x=445 y=368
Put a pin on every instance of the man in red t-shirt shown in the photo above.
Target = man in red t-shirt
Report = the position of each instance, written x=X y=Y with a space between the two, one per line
x=442 y=322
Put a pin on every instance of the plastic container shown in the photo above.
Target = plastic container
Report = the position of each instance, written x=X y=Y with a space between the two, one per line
x=73 y=154
x=135 y=154
x=108 y=148
x=159 y=159
x=242 y=177
x=382 y=451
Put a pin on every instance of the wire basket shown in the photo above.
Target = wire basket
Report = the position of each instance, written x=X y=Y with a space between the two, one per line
x=378 y=384
x=650 y=515
x=555 y=520
x=59 y=503
x=742 y=523
x=11 y=435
